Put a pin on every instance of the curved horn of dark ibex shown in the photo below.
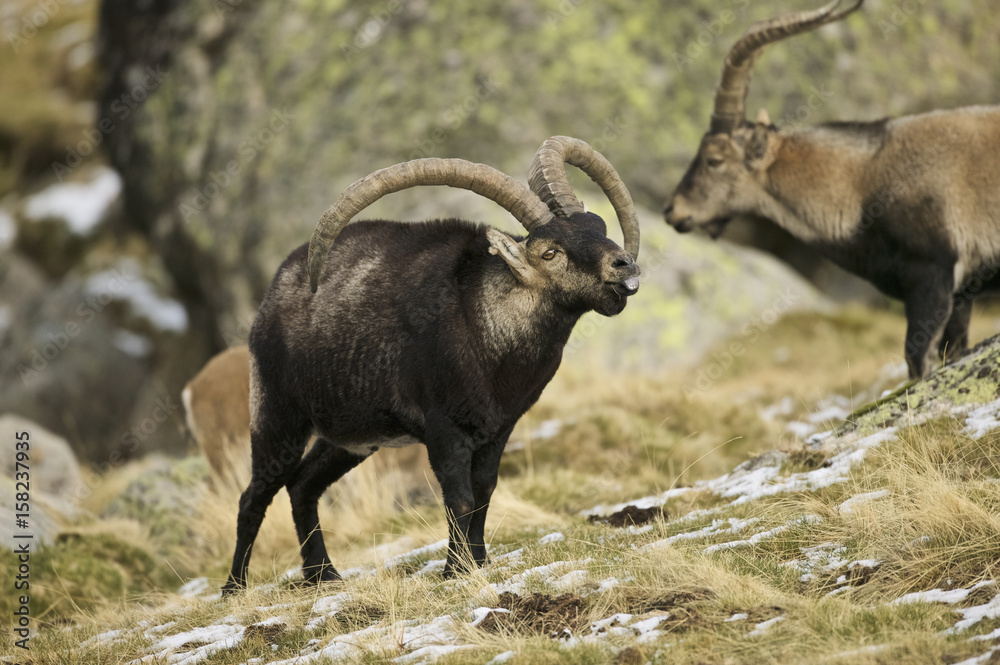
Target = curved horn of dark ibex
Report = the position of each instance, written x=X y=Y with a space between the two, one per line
x=731 y=94
x=547 y=179
x=479 y=178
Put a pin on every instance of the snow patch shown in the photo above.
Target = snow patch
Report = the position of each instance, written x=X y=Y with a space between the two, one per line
x=82 y=205
x=973 y=615
x=196 y=587
x=757 y=537
x=546 y=574
x=846 y=507
x=413 y=555
x=765 y=626
x=141 y=298
x=131 y=344
x=211 y=639
x=819 y=559
x=983 y=419
x=980 y=660
x=941 y=596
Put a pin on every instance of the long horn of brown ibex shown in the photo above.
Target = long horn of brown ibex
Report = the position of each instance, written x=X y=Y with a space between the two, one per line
x=547 y=179
x=730 y=96
x=479 y=178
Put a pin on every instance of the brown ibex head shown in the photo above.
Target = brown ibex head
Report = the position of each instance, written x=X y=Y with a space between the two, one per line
x=725 y=178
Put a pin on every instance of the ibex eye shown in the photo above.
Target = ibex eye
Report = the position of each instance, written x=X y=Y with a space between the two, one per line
x=714 y=161
x=549 y=255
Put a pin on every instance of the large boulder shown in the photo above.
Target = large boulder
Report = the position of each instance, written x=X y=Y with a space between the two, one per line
x=165 y=499
x=51 y=474
x=54 y=468
x=97 y=355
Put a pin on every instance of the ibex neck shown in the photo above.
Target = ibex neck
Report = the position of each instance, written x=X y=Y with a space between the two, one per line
x=815 y=185
x=515 y=318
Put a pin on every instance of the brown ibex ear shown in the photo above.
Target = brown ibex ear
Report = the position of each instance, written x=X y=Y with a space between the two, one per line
x=757 y=145
x=512 y=252
x=763 y=118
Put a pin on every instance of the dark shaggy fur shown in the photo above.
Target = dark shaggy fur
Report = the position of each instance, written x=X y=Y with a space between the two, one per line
x=417 y=334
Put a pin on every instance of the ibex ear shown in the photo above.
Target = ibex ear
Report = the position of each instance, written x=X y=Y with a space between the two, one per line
x=757 y=145
x=763 y=118
x=512 y=252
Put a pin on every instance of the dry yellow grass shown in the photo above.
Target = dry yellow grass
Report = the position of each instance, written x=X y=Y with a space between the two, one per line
x=935 y=523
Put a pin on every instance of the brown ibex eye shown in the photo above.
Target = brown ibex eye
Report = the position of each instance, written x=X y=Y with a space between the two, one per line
x=549 y=255
x=714 y=161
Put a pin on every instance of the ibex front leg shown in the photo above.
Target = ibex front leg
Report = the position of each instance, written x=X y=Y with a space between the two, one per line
x=450 y=451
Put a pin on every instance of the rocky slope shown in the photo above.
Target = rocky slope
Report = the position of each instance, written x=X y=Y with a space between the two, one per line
x=871 y=542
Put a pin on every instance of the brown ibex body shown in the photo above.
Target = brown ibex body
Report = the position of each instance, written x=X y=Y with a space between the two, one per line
x=911 y=204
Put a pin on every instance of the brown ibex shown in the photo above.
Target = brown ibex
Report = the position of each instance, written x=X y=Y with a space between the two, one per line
x=911 y=204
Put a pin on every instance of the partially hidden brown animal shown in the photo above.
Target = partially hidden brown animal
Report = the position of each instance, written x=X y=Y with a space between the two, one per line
x=217 y=409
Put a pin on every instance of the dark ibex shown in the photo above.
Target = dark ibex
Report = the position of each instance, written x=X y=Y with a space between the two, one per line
x=217 y=410
x=442 y=333
x=911 y=204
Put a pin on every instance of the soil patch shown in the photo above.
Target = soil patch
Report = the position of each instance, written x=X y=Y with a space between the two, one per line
x=862 y=574
x=630 y=656
x=980 y=596
x=359 y=614
x=670 y=601
x=537 y=614
x=807 y=459
x=681 y=607
x=630 y=516
x=264 y=632
x=764 y=613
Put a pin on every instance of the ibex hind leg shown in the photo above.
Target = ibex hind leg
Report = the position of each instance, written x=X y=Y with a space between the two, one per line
x=277 y=443
x=928 y=311
x=955 y=339
x=320 y=468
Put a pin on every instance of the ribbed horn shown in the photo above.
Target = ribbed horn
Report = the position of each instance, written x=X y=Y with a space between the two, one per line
x=479 y=178
x=547 y=179
x=730 y=96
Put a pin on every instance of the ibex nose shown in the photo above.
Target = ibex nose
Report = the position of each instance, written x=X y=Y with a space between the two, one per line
x=667 y=211
x=622 y=262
